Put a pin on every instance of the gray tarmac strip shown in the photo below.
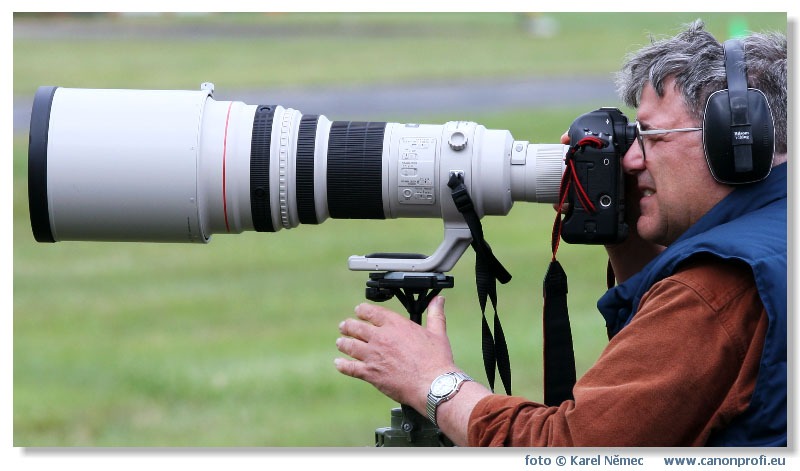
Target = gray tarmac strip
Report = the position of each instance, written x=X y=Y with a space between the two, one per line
x=463 y=99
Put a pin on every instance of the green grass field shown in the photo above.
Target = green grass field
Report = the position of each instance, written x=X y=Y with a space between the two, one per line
x=232 y=343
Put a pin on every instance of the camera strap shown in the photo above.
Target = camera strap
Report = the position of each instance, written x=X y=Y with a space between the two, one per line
x=488 y=270
x=559 y=355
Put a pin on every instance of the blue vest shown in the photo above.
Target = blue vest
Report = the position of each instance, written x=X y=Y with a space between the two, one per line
x=748 y=225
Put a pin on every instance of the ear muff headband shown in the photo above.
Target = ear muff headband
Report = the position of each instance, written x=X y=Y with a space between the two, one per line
x=738 y=131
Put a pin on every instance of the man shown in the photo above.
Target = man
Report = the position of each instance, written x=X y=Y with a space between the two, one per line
x=697 y=325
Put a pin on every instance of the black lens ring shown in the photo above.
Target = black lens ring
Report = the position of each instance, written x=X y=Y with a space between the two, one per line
x=304 y=188
x=259 y=169
x=355 y=165
x=37 y=164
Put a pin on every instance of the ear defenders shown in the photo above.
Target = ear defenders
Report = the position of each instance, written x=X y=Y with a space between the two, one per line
x=738 y=131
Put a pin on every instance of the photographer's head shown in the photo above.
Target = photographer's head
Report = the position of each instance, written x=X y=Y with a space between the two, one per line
x=695 y=60
x=669 y=83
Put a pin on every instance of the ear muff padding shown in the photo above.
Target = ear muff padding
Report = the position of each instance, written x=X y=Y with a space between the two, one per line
x=719 y=138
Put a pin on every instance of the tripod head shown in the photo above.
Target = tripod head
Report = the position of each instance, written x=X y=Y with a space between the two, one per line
x=414 y=290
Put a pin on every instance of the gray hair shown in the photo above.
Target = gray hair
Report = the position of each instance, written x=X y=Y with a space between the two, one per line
x=696 y=60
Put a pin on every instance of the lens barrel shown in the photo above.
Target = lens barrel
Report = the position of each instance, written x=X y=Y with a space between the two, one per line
x=179 y=166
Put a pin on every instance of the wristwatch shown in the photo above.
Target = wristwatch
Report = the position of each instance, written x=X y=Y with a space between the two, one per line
x=443 y=388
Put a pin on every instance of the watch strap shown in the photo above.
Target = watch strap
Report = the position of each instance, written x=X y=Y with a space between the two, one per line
x=434 y=401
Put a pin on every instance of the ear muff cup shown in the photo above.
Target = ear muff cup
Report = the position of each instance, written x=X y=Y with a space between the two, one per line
x=719 y=138
x=738 y=132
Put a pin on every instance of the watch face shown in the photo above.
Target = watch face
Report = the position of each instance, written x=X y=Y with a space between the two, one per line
x=443 y=385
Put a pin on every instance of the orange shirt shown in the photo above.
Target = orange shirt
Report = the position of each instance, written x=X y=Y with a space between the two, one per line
x=684 y=367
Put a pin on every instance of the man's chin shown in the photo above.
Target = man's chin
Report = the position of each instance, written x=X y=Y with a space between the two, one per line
x=648 y=231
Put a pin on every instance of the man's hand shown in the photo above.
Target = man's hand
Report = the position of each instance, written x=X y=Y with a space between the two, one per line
x=397 y=356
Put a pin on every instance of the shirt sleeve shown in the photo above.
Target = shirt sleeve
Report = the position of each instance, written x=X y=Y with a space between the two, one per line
x=683 y=367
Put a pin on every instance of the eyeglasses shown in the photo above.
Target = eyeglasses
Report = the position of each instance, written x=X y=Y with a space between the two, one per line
x=650 y=132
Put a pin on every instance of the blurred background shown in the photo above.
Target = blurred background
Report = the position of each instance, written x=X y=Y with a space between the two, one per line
x=232 y=343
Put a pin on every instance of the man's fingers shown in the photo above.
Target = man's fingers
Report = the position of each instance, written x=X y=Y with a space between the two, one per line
x=352 y=347
x=375 y=315
x=564 y=208
x=356 y=329
x=349 y=367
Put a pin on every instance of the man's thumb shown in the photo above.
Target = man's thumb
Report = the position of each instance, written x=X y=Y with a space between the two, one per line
x=436 y=321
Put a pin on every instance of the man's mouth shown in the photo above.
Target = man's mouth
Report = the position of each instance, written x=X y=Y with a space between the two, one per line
x=648 y=192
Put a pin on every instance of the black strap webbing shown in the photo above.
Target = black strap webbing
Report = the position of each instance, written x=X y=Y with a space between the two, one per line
x=488 y=270
x=559 y=357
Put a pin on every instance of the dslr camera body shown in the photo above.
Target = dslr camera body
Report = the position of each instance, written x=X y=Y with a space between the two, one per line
x=600 y=139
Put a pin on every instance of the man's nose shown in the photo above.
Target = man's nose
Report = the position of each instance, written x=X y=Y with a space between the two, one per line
x=633 y=160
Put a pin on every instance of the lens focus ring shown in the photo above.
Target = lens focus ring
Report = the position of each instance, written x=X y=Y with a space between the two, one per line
x=355 y=152
x=259 y=169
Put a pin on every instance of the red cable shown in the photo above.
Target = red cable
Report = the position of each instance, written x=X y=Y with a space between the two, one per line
x=571 y=175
